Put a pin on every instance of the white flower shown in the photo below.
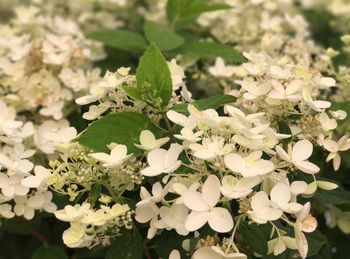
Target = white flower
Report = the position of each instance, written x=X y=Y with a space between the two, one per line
x=188 y=135
x=163 y=161
x=70 y=213
x=95 y=218
x=216 y=253
x=298 y=156
x=204 y=210
x=279 y=245
x=76 y=236
x=173 y=218
x=327 y=123
x=281 y=196
x=115 y=211
x=254 y=89
x=54 y=110
x=95 y=111
x=177 y=74
x=249 y=166
x=26 y=206
x=182 y=120
x=149 y=142
x=234 y=188
x=334 y=148
x=16 y=165
x=96 y=93
x=6 y=211
x=304 y=223
x=57 y=50
x=316 y=105
x=7 y=119
x=290 y=92
x=262 y=209
x=220 y=69
x=116 y=158
x=11 y=185
x=211 y=148
x=38 y=180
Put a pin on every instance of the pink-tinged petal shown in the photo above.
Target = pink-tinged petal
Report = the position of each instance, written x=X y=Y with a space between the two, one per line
x=302 y=150
x=194 y=200
x=330 y=145
x=175 y=254
x=302 y=244
x=283 y=154
x=220 y=220
x=234 y=162
x=344 y=143
x=211 y=190
x=294 y=86
x=309 y=224
x=196 y=220
x=336 y=162
x=307 y=167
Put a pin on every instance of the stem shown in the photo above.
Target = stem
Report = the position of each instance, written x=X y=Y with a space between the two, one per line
x=170 y=129
x=33 y=231
x=111 y=191
x=146 y=250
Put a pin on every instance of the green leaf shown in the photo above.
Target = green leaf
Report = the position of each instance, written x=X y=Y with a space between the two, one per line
x=126 y=246
x=208 y=103
x=166 y=242
x=182 y=12
x=122 y=128
x=133 y=92
x=120 y=39
x=336 y=197
x=94 y=193
x=253 y=237
x=153 y=77
x=211 y=50
x=50 y=252
x=316 y=240
x=163 y=38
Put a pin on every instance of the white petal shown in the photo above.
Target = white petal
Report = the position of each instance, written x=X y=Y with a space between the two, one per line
x=283 y=154
x=175 y=254
x=307 y=167
x=234 y=162
x=220 y=220
x=156 y=158
x=298 y=187
x=260 y=201
x=302 y=150
x=211 y=190
x=194 y=200
x=196 y=220
x=206 y=253
x=280 y=194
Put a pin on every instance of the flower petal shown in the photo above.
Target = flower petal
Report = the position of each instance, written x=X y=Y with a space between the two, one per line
x=211 y=190
x=220 y=220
